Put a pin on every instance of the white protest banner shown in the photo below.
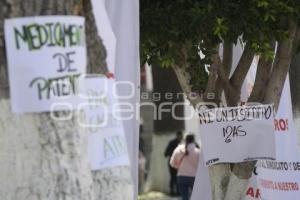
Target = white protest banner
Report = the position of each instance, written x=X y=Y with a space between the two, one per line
x=202 y=182
x=45 y=56
x=280 y=179
x=107 y=149
x=106 y=139
x=124 y=18
x=253 y=191
x=229 y=134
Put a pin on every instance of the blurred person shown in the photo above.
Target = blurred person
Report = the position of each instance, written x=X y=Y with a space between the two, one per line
x=142 y=160
x=185 y=159
x=142 y=171
x=173 y=171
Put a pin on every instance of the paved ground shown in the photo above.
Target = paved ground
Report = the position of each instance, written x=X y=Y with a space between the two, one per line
x=156 y=196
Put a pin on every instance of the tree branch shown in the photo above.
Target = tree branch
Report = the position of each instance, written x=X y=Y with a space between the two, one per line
x=243 y=66
x=263 y=74
x=210 y=94
x=95 y=48
x=224 y=70
x=281 y=66
x=227 y=57
x=184 y=81
x=239 y=75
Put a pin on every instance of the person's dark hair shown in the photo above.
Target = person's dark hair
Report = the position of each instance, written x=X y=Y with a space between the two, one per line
x=190 y=138
x=179 y=133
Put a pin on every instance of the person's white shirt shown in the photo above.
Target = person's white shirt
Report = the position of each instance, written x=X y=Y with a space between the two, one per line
x=186 y=164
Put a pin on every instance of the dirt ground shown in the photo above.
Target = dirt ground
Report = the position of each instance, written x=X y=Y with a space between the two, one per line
x=156 y=196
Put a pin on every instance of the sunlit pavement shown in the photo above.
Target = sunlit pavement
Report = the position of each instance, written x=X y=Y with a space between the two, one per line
x=156 y=196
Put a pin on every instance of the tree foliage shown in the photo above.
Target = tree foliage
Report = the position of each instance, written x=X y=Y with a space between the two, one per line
x=170 y=27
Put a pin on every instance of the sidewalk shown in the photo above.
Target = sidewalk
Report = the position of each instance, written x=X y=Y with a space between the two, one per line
x=156 y=196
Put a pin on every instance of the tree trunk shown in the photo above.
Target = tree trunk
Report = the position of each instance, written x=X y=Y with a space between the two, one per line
x=295 y=86
x=41 y=158
x=295 y=91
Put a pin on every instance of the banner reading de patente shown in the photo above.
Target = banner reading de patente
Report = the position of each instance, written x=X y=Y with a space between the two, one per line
x=45 y=55
x=229 y=134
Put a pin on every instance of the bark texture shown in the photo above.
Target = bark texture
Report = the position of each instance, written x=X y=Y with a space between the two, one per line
x=263 y=74
x=281 y=66
x=184 y=81
x=238 y=77
x=46 y=159
x=295 y=86
x=42 y=159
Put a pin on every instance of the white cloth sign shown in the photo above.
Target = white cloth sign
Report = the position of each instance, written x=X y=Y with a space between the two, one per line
x=124 y=18
x=202 y=182
x=107 y=148
x=253 y=191
x=106 y=139
x=229 y=134
x=45 y=56
x=280 y=179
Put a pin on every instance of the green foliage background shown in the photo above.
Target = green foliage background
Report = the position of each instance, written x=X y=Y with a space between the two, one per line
x=170 y=26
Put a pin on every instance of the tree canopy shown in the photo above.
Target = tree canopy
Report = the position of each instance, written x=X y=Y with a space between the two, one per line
x=169 y=26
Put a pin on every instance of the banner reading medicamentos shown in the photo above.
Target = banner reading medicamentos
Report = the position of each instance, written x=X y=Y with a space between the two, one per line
x=46 y=56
